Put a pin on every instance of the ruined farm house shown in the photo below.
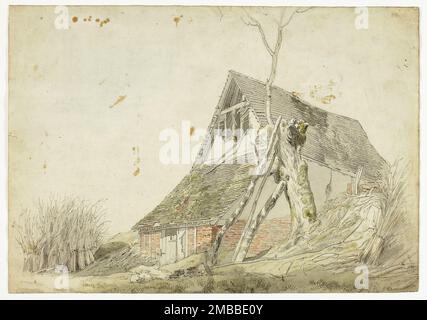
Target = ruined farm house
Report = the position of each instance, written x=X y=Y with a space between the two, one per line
x=337 y=149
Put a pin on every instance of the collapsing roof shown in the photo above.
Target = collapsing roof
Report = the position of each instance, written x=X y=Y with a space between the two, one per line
x=334 y=141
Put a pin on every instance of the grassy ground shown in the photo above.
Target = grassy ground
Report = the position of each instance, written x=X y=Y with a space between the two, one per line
x=325 y=262
x=232 y=283
x=230 y=279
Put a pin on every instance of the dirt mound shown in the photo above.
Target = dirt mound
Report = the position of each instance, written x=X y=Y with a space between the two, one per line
x=117 y=261
x=108 y=248
x=129 y=237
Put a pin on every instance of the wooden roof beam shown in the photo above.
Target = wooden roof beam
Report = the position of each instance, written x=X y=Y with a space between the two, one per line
x=236 y=106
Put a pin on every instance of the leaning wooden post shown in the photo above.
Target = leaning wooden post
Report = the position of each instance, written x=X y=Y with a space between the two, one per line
x=249 y=191
x=357 y=180
x=254 y=222
x=243 y=239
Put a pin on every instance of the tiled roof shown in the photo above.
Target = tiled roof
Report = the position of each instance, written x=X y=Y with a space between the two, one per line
x=333 y=140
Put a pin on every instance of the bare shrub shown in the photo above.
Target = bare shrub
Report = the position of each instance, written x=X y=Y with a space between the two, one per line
x=390 y=199
x=61 y=231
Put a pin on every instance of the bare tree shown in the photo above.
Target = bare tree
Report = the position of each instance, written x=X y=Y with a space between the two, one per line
x=272 y=51
x=283 y=158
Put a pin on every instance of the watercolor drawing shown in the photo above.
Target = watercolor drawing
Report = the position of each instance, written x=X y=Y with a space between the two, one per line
x=213 y=149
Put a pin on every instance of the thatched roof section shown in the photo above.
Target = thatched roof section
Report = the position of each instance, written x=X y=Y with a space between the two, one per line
x=333 y=140
x=204 y=195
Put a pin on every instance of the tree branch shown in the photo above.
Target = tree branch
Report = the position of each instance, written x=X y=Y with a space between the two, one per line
x=283 y=25
x=255 y=23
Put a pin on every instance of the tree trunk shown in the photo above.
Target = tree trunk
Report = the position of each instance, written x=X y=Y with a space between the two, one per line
x=293 y=173
x=268 y=102
x=268 y=160
x=254 y=222
x=272 y=77
x=294 y=170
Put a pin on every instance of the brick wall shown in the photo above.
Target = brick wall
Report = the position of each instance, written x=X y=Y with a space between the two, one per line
x=143 y=243
x=191 y=248
x=203 y=238
x=215 y=230
x=155 y=244
x=150 y=244
x=269 y=233
x=232 y=236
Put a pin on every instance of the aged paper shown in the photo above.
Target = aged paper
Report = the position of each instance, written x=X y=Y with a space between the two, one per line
x=213 y=149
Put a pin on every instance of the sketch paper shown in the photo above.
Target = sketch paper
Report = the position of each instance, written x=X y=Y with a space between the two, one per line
x=213 y=149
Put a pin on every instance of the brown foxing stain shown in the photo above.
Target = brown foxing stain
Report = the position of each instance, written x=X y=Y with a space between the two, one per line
x=35 y=68
x=118 y=100
x=11 y=135
x=177 y=19
x=192 y=130
x=99 y=21
x=406 y=63
x=105 y=21
x=136 y=163
x=44 y=166
x=328 y=99
x=136 y=153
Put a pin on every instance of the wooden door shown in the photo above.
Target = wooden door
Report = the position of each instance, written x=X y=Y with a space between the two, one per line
x=181 y=243
x=168 y=246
